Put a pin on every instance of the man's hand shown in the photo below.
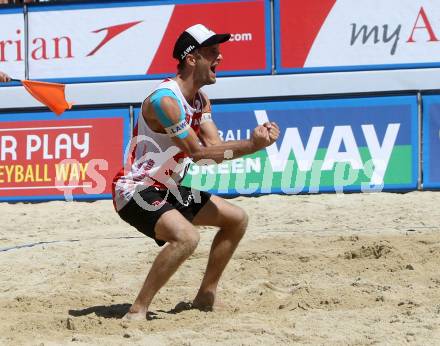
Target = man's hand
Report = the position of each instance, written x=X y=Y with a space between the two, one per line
x=4 y=77
x=265 y=135
x=274 y=131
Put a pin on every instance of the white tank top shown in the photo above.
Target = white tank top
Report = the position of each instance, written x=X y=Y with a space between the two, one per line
x=153 y=157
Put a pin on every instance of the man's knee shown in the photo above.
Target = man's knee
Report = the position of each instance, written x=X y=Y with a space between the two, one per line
x=187 y=240
x=181 y=235
x=243 y=218
x=238 y=221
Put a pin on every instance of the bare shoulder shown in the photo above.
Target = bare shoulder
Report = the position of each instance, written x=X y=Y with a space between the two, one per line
x=147 y=108
x=204 y=97
x=168 y=107
x=205 y=101
x=167 y=104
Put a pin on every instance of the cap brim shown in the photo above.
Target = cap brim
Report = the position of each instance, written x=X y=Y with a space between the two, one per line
x=216 y=39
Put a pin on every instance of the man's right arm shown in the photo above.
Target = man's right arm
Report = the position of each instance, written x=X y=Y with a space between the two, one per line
x=190 y=144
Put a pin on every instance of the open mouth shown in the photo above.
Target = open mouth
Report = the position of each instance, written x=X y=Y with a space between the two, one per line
x=213 y=68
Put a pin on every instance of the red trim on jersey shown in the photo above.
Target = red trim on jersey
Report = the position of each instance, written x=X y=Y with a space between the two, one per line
x=195 y=125
x=121 y=172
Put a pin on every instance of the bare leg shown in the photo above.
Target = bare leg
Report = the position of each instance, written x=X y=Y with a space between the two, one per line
x=182 y=238
x=232 y=221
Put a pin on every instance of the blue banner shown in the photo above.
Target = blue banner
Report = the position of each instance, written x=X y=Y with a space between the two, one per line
x=431 y=141
x=358 y=144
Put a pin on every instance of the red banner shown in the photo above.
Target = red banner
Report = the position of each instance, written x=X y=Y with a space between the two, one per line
x=246 y=50
x=299 y=24
x=133 y=38
x=65 y=157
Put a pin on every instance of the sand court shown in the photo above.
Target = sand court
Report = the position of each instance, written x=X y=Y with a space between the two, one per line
x=353 y=269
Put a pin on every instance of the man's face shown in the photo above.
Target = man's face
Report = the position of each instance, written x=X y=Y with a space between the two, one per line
x=206 y=64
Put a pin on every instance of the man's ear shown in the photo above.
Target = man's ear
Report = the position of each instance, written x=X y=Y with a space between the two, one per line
x=191 y=59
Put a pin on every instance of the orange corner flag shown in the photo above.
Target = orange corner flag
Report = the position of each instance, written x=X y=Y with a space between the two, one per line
x=50 y=94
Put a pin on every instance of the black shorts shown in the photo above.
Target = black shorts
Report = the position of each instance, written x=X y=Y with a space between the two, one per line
x=145 y=216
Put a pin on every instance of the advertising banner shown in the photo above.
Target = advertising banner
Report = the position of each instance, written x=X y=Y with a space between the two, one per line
x=129 y=40
x=362 y=144
x=330 y=35
x=44 y=157
x=431 y=141
x=12 y=42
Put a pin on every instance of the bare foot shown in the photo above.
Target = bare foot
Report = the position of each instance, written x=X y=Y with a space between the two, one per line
x=207 y=302
x=135 y=315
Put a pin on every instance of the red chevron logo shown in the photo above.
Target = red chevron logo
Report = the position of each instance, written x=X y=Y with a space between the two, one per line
x=112 y=32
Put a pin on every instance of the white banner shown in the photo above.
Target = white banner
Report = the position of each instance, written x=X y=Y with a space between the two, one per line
x=377 y=32
x=122 y=40
x=12 y=43
x=96 y=41
x=334 y=35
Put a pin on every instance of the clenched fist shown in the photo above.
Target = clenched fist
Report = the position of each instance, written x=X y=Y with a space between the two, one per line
x=274 y=131
x=265 y=135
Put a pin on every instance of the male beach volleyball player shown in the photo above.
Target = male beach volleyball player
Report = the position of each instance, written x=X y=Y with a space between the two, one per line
x=175 y=125
x=4 y=77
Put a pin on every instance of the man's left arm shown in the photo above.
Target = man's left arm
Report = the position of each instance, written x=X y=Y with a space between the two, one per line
x=208 y=130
